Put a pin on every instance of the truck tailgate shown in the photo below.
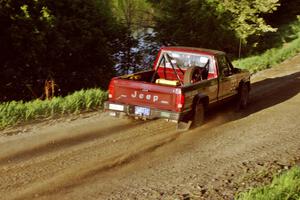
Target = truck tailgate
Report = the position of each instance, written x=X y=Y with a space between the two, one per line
x=144 y=94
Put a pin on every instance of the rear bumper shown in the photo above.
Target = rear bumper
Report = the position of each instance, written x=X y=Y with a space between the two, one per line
x=117 y=108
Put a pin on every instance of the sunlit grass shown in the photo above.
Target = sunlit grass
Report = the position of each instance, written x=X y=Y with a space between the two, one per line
x=274 y=56
x=14 y=112
x=270 y=57
x=285 y=186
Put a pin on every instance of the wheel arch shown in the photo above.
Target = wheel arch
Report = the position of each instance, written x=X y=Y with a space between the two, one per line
x=243 y=82
x=201 y=98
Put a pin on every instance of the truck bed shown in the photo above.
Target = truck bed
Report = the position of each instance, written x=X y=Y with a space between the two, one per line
x=137 y=89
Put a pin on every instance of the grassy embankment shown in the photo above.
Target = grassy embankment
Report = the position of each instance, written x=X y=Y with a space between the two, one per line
x=285 y=186
x=15 y=112
x=277 y=55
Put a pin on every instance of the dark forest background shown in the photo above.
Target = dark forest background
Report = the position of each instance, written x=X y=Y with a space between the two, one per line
x=80 y=44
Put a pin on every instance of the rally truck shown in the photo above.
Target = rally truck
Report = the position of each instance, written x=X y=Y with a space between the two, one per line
x=183 y=83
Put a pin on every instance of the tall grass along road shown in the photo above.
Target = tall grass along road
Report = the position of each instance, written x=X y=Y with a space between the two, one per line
x=13 y=112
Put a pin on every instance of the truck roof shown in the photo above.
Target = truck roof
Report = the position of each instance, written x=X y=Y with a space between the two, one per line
x=193 y=50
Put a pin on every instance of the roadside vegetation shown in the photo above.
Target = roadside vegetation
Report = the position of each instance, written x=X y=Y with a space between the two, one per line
x=276 y=55
x=14 y=112
x=285 y=186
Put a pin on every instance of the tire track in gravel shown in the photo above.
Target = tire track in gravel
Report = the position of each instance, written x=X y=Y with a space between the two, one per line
x=112 y=150
x=37 y=145
x=71 y=177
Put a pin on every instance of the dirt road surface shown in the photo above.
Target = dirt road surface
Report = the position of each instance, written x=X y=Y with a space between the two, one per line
x=98 y=157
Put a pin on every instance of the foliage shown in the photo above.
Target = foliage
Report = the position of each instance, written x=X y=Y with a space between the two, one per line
x=68 y=41
x=14 y=112
x=137 y=52
x=270 y=57
x=136 y=18
x=285 y=33
x=286 y=12
x=286 y=186
x=246 y=16
x=134 y=14
x=212 y=23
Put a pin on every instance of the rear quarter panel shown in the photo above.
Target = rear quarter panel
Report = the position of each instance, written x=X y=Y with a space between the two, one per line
x=207 y=88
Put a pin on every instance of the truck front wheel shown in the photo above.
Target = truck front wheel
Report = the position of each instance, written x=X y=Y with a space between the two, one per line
x=243 y=97
x=198 y=118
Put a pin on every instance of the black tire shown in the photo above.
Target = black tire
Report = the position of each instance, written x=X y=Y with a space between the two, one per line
x=192 y=74
x=243 y=97
x=198 y=117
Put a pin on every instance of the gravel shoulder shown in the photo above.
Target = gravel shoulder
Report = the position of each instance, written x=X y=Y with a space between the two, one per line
x=98 y=157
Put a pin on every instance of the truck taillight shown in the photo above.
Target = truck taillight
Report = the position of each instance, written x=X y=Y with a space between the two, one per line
x=180 y=101
x=111 y=90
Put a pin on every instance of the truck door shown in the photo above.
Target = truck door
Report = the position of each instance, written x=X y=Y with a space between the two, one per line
x=228 y=81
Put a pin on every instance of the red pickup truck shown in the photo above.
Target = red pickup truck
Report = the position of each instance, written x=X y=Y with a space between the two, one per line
x=183 y=83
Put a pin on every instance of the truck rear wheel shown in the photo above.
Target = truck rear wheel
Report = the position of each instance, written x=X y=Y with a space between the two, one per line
x=198 y=118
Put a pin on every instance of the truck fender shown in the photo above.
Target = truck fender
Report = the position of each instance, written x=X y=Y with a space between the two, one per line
x=242 y=82
x=240 y=97
x=201 y=98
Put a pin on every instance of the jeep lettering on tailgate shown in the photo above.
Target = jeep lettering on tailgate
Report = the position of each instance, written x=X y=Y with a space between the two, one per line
x=149 y=97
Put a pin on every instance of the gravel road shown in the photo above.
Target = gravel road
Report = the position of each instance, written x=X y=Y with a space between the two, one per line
x=95 y=156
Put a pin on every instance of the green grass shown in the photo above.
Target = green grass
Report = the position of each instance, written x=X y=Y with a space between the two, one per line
x=14 y=112
x=283 y=187
x=277 y=55
x=270 y=57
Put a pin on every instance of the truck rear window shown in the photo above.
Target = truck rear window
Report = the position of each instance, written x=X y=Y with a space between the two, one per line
x=185 y=60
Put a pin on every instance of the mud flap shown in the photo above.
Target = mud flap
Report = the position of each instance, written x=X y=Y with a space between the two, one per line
x=184 y=126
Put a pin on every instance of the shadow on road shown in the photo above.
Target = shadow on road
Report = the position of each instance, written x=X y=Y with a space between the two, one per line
x=264 y=94
x=75 y=137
